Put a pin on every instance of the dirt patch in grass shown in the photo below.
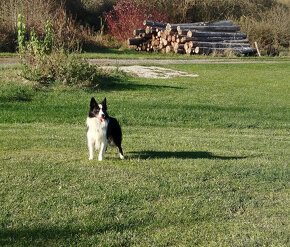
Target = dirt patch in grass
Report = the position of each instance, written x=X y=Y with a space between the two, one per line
x=151 y=71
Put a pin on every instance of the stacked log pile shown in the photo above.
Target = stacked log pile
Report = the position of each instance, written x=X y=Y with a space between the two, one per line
x=191 y=38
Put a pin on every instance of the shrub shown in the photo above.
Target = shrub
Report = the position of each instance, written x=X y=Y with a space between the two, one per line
x=128 y=15
x=271 y=29
x=46 y=61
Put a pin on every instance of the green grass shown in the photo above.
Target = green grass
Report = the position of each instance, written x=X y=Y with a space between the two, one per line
x=125 y=53
x=7 y=54
x=207 y=161
x=112 y=53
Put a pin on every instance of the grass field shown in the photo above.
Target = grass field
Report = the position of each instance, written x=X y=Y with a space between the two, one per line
x=207 y=161
x=125 y=53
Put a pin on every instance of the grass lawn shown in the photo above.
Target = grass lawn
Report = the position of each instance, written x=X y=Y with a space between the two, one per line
x=207 y=161
x=112 y=53
x=125 y=53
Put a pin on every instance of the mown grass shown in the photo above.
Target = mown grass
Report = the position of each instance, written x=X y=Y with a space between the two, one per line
x=125 y=53
x=207 y=161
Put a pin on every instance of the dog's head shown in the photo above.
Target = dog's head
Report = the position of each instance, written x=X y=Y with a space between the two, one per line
x=98 y=110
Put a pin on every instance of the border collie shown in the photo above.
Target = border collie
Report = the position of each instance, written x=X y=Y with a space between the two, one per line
x=102 y=130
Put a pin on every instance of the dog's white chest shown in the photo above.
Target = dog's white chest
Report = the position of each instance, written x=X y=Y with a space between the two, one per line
x=96 y=131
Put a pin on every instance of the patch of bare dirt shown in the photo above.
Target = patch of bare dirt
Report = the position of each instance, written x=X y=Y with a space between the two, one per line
x=6 y=61
x=151 y=71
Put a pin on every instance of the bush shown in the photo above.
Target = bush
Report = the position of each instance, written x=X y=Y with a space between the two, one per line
x=271 y=29
x=129 y=15
x=46 y=61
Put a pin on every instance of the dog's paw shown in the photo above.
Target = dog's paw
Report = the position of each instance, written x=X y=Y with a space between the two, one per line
x=91 y=158
x=122 y=157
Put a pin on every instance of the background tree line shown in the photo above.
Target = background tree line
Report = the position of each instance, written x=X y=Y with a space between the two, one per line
x=265 y=21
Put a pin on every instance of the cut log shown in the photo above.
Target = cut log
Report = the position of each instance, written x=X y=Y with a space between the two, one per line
x=138 y=32
x=148 y=30
x=164 y=42
x=154 y=24
x=220 y=45
x=192 y=33
x=163 y=35
x=171 y=29
x=183 y=32
x=211 y=28
x=241 y=41
x=215 y=23
x=237 y=51
x=156 y=42
x=159 y=29
x=135 y=41
x=202 y=24
x=169 y=33
x=214 y=39
x=145 y=36
x=168 y=49
x=173 y=38
x=181 y=51
x=189 y=51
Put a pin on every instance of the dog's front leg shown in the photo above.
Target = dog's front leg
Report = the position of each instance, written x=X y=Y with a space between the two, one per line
x=103 y=150
x=91 y=149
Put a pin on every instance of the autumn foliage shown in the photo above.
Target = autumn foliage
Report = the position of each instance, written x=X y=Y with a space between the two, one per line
x=127 y=16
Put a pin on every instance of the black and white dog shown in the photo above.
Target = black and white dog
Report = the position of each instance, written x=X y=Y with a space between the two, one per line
x=102 y=130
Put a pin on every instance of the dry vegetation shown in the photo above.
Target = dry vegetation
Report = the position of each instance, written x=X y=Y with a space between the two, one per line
x=36 y=13
x=265 y=21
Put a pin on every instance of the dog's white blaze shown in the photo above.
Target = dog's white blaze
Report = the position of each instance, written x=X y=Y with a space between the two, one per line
x=101 y=110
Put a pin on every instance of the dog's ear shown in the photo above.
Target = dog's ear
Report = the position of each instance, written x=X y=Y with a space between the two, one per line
x=104 y=103
x=93 y=102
